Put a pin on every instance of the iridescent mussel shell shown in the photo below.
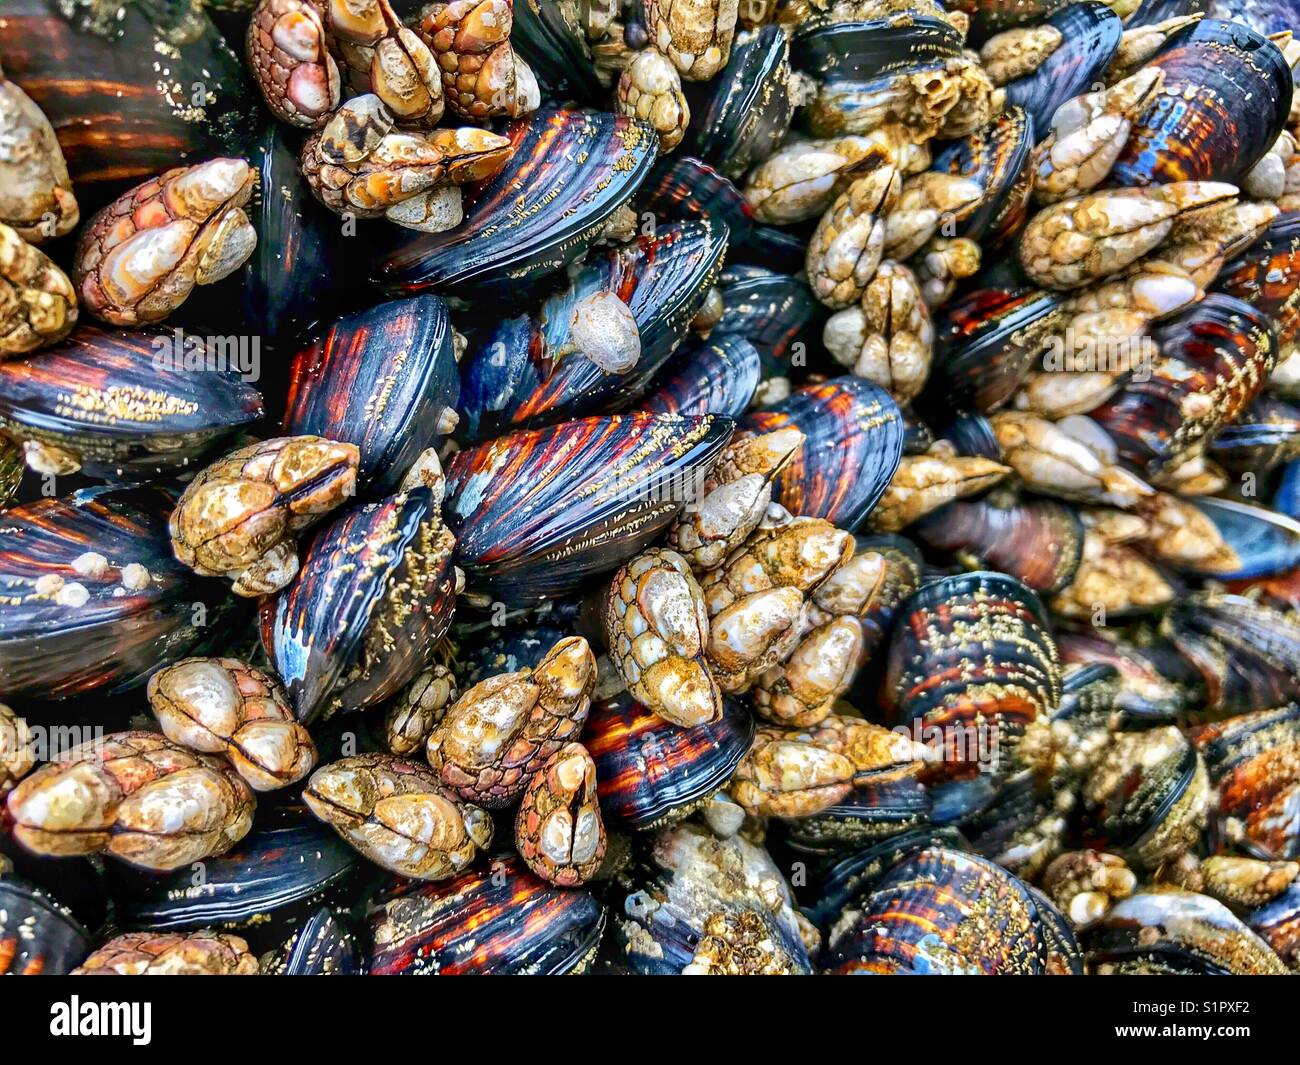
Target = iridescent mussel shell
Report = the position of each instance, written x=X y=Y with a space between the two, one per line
x=1090 y=35
x=38 y=935
x=1262 y=16
x=568 y=172
x=883 y=803
x=853 y=443
x=540 y=513
x=683 y=188
x=971 y=663
x=1169 y=932
x=838 y=884
x=94 y=597
x=1248 y=655
x=321 y=946
x=695 y=903
x=777 y=313
x=742 y=116
x=1037 y=541
x=384 y=379
x=1254 y=763
x=1226 y=97
x=1146 y=799
x=943 y=912
x=497 y=919
x=374 y=593
x=268 y=883
x=1266 y=435
x=525 y=372
x=1267 y=276
x=649 y=771
x=300 y=269
x=997 y=156
x=549 y=39
x=1214 y=359
x=1156 y=685
x=128 y=405
x=714 y=376
x=987 y=341
x=1265 y=542
x=856 y=61
x=130 y=89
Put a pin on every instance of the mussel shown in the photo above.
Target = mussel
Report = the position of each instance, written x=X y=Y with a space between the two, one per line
x=98 y=74
x=747 y=110
x=38 y=935
x=1214 y=359
x=1226 y=97
x=374 y=593
x=698 y=904
x=126 y=405
x=568 y=172
x=713 y=376
x=943 y=912
x=270 y=882
x=1172 y=932
x=384 y=379
x=577 y=355
x=649 y=772
x=853 y=443
x=498 y=918
x=539 y=513
x=94 y=597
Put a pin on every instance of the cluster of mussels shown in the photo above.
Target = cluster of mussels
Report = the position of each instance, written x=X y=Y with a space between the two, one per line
x=656 y=486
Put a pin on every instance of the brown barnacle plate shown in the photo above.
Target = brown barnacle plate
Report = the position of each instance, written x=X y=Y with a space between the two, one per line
x=384 y=378
x=124 y=405
x=971 y=663
x=1226 y=97
x=497 y=919
x=38 y=935
x=649 y=772
x=131 y=96
x=375 y=592
x=1254 y=763
x=1248 y=654
x=942 y=912
x=540 y=513
x=1213 y=361
x=1170 y=932
x=1037 y=541
x=91 y=596
x=854 y=442
x=568 y=172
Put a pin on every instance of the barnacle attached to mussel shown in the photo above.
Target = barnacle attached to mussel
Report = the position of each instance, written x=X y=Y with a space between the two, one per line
x=398 y=815
x=140 y=257
x=223 y=706
x=498 y=734
x=136 y=796
x=239 y=517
